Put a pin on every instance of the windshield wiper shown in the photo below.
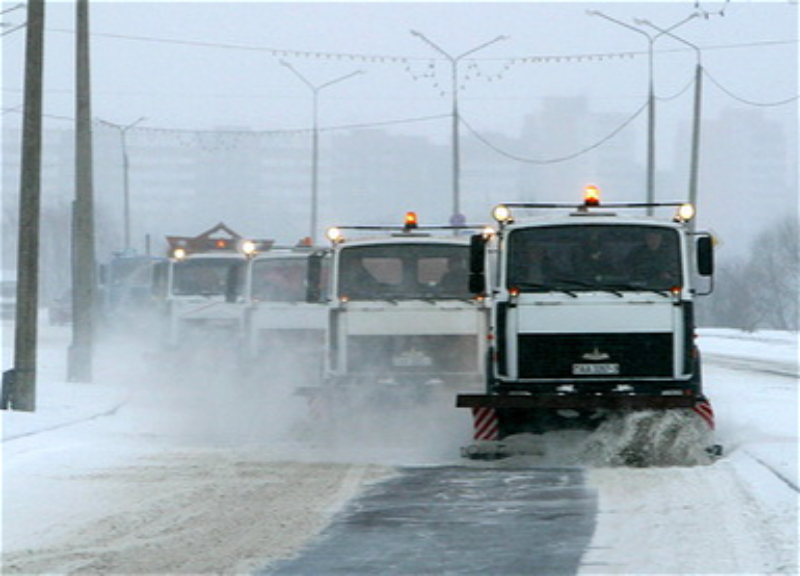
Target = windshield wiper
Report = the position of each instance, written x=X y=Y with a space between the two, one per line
x=633 y=288
x=544 y=287
x=591 y=286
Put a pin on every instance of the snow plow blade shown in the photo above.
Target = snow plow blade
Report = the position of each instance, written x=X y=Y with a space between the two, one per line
x=575 y=402
x=621 y=430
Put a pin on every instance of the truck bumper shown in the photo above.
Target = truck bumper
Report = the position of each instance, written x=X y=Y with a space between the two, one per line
x=575 y=401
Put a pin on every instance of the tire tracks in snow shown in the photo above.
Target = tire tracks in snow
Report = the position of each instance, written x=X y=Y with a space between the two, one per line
x=75 y=422
x=774 y=471
x=759 y=366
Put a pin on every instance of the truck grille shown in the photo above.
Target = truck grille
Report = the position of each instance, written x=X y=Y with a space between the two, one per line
x=412 y=354
x=555 y=355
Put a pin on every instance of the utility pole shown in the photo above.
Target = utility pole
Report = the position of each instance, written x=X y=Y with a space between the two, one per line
x=454 y=135
x=83 y=262
x=19 y=385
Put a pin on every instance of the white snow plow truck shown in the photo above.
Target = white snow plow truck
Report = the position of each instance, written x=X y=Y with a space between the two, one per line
x=199 y=289
x=403 y=326
x=287 y=313
x=592 y=324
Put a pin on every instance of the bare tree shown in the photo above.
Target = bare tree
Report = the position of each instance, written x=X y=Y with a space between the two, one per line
x=730 y=306
x=762 y=290
x=773 y=272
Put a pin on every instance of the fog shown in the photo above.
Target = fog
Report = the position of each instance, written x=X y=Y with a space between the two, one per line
x=202 y=397
x=223 y=120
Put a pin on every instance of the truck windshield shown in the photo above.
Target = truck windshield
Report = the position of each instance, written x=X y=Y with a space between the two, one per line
x=404 y=272
x=279 y=280
x=594 y=257
x=204 y=277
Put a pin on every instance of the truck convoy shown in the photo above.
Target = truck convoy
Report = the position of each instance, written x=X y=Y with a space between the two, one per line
x=592 y=318
x=402 y=324
x=578 y=317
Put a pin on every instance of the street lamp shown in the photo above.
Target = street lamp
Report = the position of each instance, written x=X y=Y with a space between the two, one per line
x=454 y=60
x=315 y=90
x=123 y=131
x=651 y=100
x=698 y=94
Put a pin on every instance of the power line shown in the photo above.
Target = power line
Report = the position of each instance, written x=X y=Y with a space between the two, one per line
x=389 y=58
x=678 y=94
x=572 y=156
x=283 y=132
x=386 y=123
x=14 y=29
x=745 y=101
x=278 y=52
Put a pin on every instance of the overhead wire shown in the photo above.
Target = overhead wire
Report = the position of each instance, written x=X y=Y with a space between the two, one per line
x=392 y=58
x=403 y=59
x=12 y=8
x=278 y=132
x=555 y=160
x=746 y=101
x=677 y=94
x=279 y=52
x=14 y=29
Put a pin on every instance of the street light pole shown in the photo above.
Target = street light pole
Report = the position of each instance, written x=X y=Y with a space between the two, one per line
x=698 y=96
x=651 y=99
x=123 y=132
x=315 y=90
x=456 y=162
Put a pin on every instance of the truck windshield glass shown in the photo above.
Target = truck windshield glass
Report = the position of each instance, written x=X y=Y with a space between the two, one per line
x=594 y=257
x=279 y=280
x=206 y=277
x=404 y=272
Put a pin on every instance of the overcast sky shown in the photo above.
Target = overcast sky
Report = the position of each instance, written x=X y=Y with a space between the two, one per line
x=204 y=65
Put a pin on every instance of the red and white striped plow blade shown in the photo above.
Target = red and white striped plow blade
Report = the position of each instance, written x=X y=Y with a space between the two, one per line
x=485 y=424
x=706 y=412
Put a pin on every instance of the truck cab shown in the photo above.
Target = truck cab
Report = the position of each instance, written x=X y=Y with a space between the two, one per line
x=200 y=291
x=286 y=317
x=401 y=316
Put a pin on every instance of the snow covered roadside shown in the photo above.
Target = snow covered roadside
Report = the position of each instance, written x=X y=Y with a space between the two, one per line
x=689 y=521
x=119 y=477
x=737 y=516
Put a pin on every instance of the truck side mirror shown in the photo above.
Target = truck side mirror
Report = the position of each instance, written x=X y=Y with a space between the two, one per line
x=102 y=273
x=314 y=277
x=477 y=266
x=705 y=256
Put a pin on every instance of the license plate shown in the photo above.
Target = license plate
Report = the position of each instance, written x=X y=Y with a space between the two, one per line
x=595 y=369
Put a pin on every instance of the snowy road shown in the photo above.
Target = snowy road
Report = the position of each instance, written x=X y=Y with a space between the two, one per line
x=458 y=520
x=190 y=480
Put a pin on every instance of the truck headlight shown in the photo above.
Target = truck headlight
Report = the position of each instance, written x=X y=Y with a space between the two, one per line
x=335 y=235
x=502 y=214
x=685 y=213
